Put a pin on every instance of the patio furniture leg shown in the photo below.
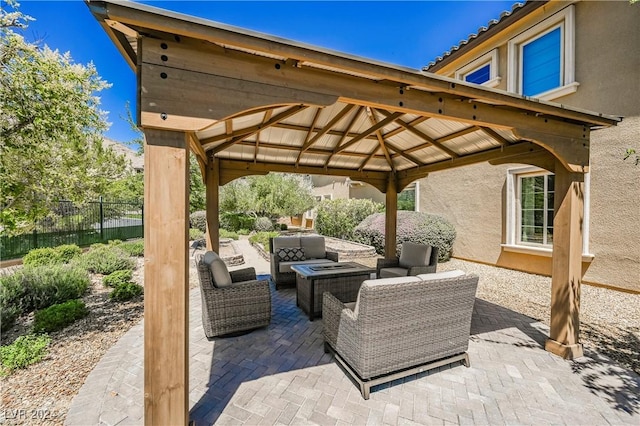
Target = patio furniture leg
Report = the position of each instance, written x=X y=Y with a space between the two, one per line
x=465 y=361
x=327 y=349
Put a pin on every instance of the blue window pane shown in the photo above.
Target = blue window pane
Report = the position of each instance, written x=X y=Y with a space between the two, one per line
x=541 y=64
x=480 y=75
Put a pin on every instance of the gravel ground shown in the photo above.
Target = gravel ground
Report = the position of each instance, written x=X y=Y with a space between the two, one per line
x=610 y=325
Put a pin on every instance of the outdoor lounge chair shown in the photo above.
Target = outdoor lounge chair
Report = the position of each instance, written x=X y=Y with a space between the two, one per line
x=415 y=259
x=400 y=326
x=231 y=301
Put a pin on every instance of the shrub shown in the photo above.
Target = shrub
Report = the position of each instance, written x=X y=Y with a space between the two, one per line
x=417 y=227
x=263 y=224
x=198 y=220
x=42 y=256
x=57 y=317
x=263 y=238
x=283 y=227
x=106 y=259
x=338 y=218
x=243 y=231
x=117 y=277
x=8 y=316
x=228 y=234
x=133 y=248
x=24 y=351
x=126 y=291
x=236 y=221
x=39 y=287
x=195 y=234
x=68 y=252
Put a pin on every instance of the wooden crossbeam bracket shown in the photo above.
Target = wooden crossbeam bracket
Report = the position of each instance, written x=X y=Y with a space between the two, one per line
x=381 y=141
x=353 y=121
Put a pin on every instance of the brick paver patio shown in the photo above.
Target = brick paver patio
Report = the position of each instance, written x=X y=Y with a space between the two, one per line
x=280 y=375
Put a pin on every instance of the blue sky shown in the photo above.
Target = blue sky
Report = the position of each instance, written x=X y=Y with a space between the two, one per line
x=404 y=33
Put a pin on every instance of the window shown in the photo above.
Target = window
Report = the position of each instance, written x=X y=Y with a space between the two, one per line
x=535 y=210
x=529 y=220
x=483 y=70
x=541 y=59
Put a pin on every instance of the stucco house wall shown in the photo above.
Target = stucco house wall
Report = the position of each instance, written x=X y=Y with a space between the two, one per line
x=607 y=62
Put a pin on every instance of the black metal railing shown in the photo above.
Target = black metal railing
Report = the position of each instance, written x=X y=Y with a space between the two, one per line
x=83 y=225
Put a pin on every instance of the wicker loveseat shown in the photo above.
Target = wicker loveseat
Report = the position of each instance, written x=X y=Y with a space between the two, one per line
x=288 y=251
x=231 y=301
x=401 y=326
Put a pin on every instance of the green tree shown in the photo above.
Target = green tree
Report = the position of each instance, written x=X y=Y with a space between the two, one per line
x=50 y=127
x=272 y=195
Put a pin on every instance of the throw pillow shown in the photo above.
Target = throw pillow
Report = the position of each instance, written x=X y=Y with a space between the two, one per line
x=219 y=271
x=291 y=254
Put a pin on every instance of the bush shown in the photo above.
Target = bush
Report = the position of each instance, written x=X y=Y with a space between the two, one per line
x=198 y=220
x=126 y=291
x=263 y=224
x=243 y=231
x=8 y=316
x=263 y=238
x=195 y=234
x=39 y=287
x=118 y=277
x=338 y=218
x=42 y=256
x=237 y=221
x=68 y=252
x=24 y=351
x=106 y=259
x=228 y=234
x=283 y=227
x=417 y=227
x=57 y=317
x=133 y=248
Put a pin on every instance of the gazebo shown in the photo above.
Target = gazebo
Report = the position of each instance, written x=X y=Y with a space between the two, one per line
x=247 y=103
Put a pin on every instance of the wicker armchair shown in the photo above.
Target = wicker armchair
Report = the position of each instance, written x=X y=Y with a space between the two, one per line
x=399 y=327
x=245 y=304
x=415 y=259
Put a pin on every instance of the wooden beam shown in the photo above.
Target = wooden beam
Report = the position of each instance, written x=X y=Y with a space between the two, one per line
x=326 y=128
x=391 y=218
x=198 y=152
x=345 y=133
x=566 y=275
x=495 y=135
x=457 y=134
x=381 y=141
x=401 y=153
x=309 y=133
x=213 y=205
x=135 y=15
x=229 y=168
x=301 y=128
x=401 y=129
x=265 y=119
x=279 y=117
x=370 y=130
x=573 y=152
x=166 y=278
x=430 y=141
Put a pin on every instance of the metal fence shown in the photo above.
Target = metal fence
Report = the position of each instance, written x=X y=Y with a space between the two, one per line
x=86 y=224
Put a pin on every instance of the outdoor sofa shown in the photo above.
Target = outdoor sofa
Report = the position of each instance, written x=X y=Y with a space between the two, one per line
x=400 y=326
x=288 y=251
x=231 y=301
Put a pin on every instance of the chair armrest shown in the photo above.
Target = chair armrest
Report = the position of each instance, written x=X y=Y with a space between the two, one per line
x=417 y=270
x=386 y=263
x=332 y=255
x=246 y=274
x=332 y=310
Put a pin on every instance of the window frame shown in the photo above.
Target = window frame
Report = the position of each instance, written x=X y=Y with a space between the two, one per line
x=512 y=225
x=518 y=201
x=565 y=20
x=489 y=58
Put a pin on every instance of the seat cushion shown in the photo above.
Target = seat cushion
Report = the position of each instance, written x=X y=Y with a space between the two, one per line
x=219 y=271
x=393 y=272
x=290 y=254
x=280 y=242
x=440 y=275
x=413 y=254
x=286 y=266
x=313 y=247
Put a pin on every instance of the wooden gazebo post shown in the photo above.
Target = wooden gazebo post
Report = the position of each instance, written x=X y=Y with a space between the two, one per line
x=166 y=277
x=212 y=182
x=391 y=217
x=567 y=264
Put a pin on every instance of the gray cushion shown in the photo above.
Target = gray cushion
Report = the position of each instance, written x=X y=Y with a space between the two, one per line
x=441 y=275
x=219 y=271
x=393 y=272
x=414 y=254
x=313 y=247
x=280 y=242
x=290 y=254
x=286 y=266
